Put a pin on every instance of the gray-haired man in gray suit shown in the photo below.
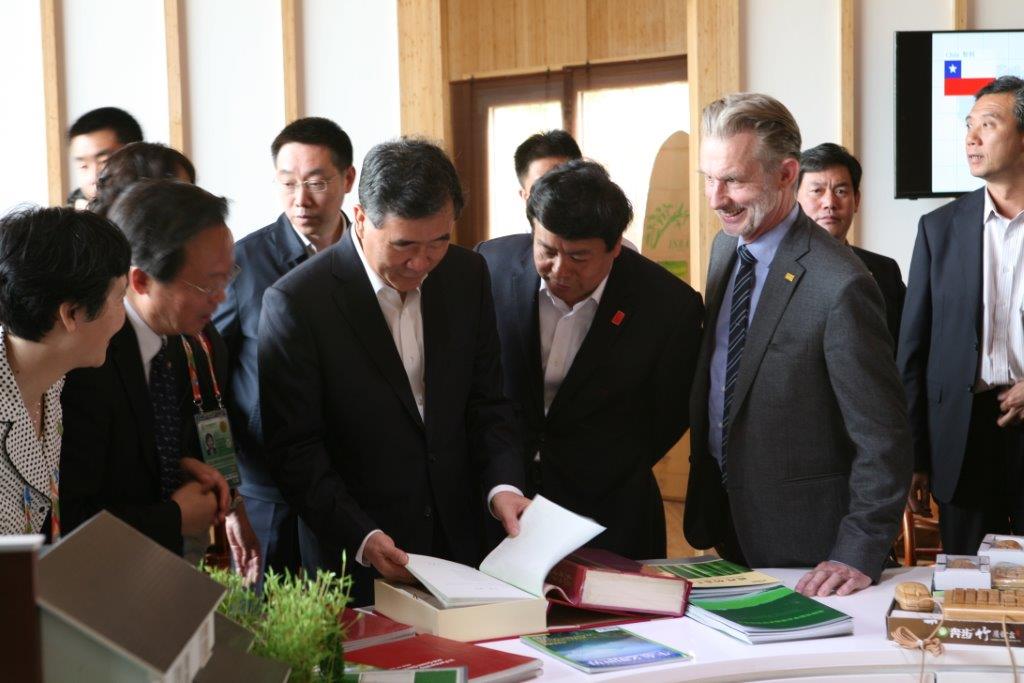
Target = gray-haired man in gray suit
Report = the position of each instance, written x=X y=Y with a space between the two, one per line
x=803 y=455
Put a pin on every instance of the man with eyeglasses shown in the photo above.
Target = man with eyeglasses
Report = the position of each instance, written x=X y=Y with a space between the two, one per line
x=313 y=173
x=131 y=444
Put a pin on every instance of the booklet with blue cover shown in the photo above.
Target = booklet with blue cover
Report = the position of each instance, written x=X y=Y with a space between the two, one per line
x=595 y=650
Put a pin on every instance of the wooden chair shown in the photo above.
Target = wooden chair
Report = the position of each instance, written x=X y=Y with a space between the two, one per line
x=919 y=538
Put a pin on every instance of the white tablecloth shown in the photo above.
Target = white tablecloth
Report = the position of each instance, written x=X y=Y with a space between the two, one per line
x=717 y=657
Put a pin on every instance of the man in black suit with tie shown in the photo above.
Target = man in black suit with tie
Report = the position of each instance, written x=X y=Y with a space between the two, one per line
x=829 y=193
x=961 y=350
x=313 y=165
x=130 y=443
x=383 y=414
x=598 y=347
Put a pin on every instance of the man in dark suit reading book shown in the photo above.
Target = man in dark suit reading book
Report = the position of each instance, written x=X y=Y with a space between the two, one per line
x=598 y=347
x=385 y=422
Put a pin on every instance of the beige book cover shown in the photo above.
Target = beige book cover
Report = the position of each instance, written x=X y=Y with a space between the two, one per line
x=418 y=608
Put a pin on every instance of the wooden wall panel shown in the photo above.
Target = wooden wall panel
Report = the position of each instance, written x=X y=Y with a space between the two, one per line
x=423 y=69
x=713 y=35
x=522 y=36
x=53 y=96
x=959 y=11
x=290 y=22
x=175 y=91
x=625 y=29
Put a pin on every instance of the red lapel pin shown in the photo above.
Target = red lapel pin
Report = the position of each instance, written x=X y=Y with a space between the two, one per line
x=618 y=318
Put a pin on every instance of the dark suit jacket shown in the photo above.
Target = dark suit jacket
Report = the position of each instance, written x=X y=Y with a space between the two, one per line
x=623 y=403
x=887 y=274
x=264 y=256
x=344 y=439
x=941 y=337
x=108 y=457
x=819 y=457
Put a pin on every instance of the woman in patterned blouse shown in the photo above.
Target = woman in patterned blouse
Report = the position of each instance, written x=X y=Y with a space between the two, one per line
x=62 y=280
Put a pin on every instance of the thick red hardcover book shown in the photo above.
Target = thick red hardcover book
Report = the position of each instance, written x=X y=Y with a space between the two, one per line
x=365 y=628
x=602 y=580
x=431 y=652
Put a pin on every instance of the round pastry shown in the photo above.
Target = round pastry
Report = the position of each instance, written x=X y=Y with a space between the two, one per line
x=914 y=597
x=1007 y=544
x=961 y=563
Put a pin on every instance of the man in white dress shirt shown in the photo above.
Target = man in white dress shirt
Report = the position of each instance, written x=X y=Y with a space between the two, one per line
x=598 y=347
x=961 y=350
x=384 y=418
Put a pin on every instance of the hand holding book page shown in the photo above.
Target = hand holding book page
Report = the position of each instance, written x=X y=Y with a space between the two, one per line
x=547 y=533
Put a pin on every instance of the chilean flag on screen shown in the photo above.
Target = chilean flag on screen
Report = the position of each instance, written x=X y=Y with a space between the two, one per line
x=957 y=84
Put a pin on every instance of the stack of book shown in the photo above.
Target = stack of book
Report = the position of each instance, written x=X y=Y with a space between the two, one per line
x=509 y=595
x=770 y=616
x=750 y=605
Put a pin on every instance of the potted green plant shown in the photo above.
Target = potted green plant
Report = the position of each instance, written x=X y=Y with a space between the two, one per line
x=295 y=621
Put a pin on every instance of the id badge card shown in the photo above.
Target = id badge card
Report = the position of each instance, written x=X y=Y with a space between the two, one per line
x=217 y=445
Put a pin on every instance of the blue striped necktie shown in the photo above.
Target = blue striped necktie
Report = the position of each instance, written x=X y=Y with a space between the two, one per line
x=739 y=316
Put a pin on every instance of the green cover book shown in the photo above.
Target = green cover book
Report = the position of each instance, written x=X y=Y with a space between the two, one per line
x=611 y=648
x=769 y=616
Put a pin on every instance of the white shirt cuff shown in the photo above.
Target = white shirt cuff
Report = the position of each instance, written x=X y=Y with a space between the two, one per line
x=362 y=547
x=495 y=491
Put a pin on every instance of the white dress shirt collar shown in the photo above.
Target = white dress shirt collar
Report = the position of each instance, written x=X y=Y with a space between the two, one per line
x=150 y=342
x=594 y=296
x=309 y=246
x=990 y=210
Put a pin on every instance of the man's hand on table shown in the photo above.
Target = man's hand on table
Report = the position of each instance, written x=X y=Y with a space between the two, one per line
x=832 y=577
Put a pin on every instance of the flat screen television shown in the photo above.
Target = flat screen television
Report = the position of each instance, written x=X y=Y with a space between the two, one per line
x=937 y=75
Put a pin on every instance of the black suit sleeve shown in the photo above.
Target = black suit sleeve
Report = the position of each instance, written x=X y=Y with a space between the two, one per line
x=88 y=460
x=674 y=374
x=291 y=399
x=915 y=346
x=490 y=421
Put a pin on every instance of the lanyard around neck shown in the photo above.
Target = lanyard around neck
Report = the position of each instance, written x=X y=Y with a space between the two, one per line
x=193 y=373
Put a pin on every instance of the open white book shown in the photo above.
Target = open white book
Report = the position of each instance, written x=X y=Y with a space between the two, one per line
x=515 y=570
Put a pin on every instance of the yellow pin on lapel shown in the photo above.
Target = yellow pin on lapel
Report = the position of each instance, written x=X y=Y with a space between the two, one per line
x=790 y=277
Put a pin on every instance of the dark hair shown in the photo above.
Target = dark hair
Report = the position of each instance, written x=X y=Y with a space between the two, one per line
x=408 y=178
x=134 y=162
x=552 y=143
x=827 y=155
x=1010 y=84
x=53 y=256
x=578 y=201
x=159 y=217
x=316 y=130
x=124 y=125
